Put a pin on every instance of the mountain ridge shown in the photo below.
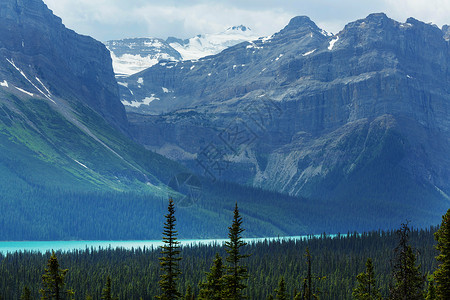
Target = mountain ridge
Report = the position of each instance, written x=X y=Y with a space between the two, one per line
x=377 y=89
x=133 y=55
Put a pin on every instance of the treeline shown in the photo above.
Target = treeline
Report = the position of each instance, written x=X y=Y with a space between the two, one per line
x=135 y=273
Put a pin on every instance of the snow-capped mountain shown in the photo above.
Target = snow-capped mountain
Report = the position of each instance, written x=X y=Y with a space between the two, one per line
x=209 y=44
x=133 y=55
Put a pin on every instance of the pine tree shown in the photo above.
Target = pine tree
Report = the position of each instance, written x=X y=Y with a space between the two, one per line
x=307 y=282
x=106 y=293
x=431 y=293
x=442 y=274
x=26 y=294
x=189 y=294
x=53 y=281
x=366 y=289
x=408 y=280
x=170 y=257
x=281 y=290
x=213 y=288
x=236 y=273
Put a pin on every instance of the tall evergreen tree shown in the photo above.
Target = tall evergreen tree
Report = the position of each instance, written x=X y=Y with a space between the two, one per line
x=26 y=294
x=236 y=272
x=189 y=294
x=307 y=282
x=213 y=288
x=408 y=280
x=170 y=252
x=106 y=293
x=366 y=289
x=431 y=293
x=442 y=274
x=53 y=281
x=282 y=294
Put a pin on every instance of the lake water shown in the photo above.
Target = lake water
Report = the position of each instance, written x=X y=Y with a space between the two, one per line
x=67 y=246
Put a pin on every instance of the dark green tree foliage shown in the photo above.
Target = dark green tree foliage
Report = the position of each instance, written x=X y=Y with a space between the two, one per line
x=431 y=293
x=408 y=280
x=53 y=281
x=213 y=288
x=136 y=272
x=189 y=294
x=366 y=288
x=307 y=282
x=26 y=294
x=281 y=291
x=442 y=274
x=236 y=272
x=106 y=293
x=170 y=257
x=308 y=290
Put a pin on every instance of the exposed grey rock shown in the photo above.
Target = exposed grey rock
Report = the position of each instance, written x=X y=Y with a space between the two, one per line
x=71 y=66
x=335 y=103
x=446 y=31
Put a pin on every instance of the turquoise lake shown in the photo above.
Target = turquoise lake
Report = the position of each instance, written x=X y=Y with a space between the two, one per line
x=67 y=246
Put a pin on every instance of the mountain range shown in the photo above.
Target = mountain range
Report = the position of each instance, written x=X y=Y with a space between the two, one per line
x=361 y=116
x=308 y=132
x=132 y=55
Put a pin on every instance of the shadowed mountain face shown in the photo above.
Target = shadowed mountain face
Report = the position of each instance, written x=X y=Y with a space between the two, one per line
x=363 y=114
x=71 y=66
x=61 y=120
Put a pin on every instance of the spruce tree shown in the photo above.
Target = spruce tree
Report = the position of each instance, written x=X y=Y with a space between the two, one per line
x=53 y=281
x=213 y=288
x=281 y=290
x=170 y=257
x=106 y=293
x=189 y=294
x=408 y=280
x=442 y=274
x=26 y=294
x=431 y=293
x=236 y=272
x=307 y=282
x=366 y=289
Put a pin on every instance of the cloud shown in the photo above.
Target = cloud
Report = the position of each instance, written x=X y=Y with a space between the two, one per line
x=114 y=19
x=434 y=11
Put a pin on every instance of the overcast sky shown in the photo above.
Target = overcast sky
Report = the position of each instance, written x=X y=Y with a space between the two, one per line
x=116 y=19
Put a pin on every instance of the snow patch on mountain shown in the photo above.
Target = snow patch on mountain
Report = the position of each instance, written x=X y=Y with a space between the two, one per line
x=309 y=52
x=145 y=101
x=25 y=92
x=131 y=56
x=209 y=44
x=332 y=42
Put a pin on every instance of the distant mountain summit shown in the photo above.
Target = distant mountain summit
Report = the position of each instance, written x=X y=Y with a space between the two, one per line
x=209 y=44
x=133 y=55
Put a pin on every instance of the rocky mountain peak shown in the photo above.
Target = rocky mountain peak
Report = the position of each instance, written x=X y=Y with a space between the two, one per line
x=239 y=28
x=72 y=66
x=299 y=23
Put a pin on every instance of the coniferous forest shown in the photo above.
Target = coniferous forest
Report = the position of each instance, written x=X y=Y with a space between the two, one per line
x=400 y=264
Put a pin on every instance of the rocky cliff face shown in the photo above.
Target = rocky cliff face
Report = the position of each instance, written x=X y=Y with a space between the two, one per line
x=321 y=115
x=71 y=66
